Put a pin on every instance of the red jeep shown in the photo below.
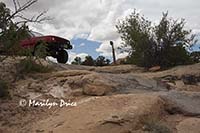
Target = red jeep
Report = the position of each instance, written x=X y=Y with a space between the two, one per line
x=56 y=46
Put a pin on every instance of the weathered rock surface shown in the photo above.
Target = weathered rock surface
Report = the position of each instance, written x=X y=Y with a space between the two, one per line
x=154 y=69
x=127 y=95
x=186 y=103
x=65 y=83
x=119 y=113
x=191 y=79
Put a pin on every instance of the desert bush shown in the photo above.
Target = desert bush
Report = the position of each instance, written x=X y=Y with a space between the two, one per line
x=195 y=56
x=164 y=44
x=89 y=61
x=40 y=50
x=4 y=93
x=30 y=65
x=154 y=125
x=77 y=61
x=102 y=61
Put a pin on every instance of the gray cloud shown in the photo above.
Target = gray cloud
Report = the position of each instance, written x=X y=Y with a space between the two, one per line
x=87 y=15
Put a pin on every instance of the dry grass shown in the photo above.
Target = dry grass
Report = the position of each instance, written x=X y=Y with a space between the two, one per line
x=154 y=125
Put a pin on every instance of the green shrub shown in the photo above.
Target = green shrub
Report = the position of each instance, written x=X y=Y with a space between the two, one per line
x=4 y=93
x=154 y=125
x=29 y=65
x=148 y=45
x=40 y=51
x=195 y=56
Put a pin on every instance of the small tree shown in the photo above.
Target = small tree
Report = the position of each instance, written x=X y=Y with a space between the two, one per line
x=77 y=61
x=164 y=44
x=13 y=26
x=172 y=39
x=195 y=56
x=89 y=61
x=102 y=61
x=108 y=62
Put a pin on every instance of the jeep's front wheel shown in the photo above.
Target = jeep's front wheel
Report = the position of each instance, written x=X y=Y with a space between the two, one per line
x=62 y=56
x=40 y=51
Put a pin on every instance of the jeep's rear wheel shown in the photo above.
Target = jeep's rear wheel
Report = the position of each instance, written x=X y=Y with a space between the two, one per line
x=62 y=56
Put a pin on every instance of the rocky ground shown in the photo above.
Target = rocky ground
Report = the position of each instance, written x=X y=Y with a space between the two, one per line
x=121 y=99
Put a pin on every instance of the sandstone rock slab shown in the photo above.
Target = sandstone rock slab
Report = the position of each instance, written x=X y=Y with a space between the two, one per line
x=190 y=125
x=186 y=103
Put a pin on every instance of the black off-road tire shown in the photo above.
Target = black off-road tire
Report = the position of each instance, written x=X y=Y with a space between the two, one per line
x=62 y=56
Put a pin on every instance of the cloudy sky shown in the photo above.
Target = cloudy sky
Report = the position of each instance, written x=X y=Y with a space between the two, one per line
x=90 y=24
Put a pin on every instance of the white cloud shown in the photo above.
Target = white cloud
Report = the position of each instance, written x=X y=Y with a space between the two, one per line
x=74 y=17
x=51 y=59
x=105 y=49
x=82 y=36
x=82 y=44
